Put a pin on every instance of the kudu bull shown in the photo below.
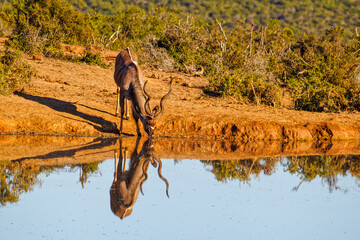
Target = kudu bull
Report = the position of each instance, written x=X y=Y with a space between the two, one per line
x=130 y=86
x=127 y=184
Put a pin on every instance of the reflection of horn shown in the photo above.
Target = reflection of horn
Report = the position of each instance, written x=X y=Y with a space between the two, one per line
x=142 y=193
x=162 y=178
x=145 y=178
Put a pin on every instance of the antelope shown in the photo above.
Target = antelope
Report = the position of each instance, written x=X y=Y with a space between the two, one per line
x=127 y=184
x=131 y=87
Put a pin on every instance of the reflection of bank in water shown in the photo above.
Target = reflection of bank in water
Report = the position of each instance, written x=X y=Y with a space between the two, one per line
x=17 y=177
x=57 y=151
x=308 y=168
x=27 y=157
x=127 y=184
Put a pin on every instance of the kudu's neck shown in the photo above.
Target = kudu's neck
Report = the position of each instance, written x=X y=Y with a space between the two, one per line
x=137 y=89
x=138 y=98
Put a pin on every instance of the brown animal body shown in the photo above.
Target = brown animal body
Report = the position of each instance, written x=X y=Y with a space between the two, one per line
x=131 y=86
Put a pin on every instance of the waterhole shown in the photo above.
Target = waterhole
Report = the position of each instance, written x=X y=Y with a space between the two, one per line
x=53 y=188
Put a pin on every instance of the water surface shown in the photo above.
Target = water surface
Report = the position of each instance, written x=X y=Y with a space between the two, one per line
x=312 y=197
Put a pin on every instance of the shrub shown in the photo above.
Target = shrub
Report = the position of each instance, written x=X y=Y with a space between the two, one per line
x=249 y=64
x=249 y=88
x=319 y=73
x=157 y=33
x=15 y=73
x=93 y=59
x=40 y=24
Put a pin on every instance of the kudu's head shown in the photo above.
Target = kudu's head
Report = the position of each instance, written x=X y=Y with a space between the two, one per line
x=149 y=118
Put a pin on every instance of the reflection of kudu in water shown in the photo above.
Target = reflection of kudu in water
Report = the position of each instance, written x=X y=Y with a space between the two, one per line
x=127 y=183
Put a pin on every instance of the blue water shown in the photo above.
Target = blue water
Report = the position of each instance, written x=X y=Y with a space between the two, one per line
x=199 y=207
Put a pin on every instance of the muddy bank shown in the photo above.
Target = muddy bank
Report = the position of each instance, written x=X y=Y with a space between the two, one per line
x=257 y=131
x=188 y=128
x=51 y=151
x=73 y=99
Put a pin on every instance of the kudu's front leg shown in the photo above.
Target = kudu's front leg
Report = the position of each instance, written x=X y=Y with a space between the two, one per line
x=122 y=99
x=136 y=118
x=127 y=109
x=117 y=101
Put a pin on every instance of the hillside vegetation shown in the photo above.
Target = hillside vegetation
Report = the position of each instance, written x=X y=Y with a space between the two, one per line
x=254 y=63
x=302 y=16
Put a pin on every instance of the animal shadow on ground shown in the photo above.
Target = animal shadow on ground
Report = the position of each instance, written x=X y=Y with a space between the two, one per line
x=98 y=123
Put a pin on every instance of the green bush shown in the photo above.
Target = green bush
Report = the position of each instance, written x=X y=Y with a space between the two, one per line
x=93 y=59
x=320 y=71
x=250 y=60
x=15 y=73
x=40 y=24
x=248 y=88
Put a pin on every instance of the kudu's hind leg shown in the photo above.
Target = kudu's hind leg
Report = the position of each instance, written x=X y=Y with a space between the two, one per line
x=118 y=161
x=117 y=101
x=115 y=163
x=127 y=105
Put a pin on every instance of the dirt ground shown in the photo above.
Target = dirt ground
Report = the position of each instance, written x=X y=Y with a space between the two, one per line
x=73 y=99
